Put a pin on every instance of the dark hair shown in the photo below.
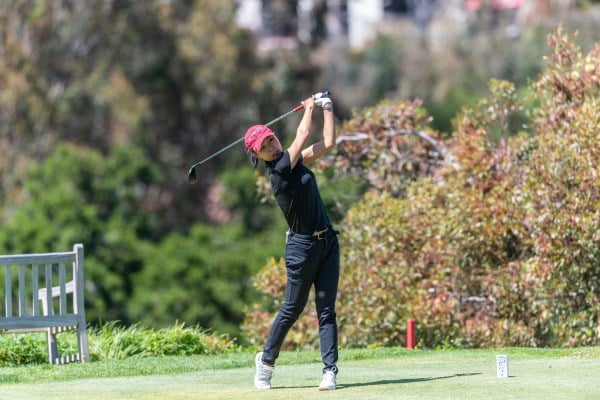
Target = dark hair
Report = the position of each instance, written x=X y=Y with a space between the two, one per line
x=253 y=158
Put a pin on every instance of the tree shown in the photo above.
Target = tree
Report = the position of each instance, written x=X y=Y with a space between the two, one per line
x=178 y=79
x=201 y=275
x=78 y=196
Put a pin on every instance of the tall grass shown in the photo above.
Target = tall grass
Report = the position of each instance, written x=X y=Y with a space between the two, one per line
x=111 y=341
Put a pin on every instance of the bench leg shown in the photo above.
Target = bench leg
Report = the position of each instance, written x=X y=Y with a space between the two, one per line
x=82 y=342
x=52 y=346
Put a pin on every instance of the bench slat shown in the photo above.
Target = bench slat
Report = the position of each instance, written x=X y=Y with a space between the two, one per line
x=50 y=309
x=41 y=321
x=67 y=359
x=61 y=285
x=22 y=304
x=52 y=258
x=34 y=289
x=53 y=330
x=7 y=292
x=69 y=288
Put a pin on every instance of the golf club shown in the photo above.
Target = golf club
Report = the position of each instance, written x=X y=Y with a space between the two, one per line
x=192 y=171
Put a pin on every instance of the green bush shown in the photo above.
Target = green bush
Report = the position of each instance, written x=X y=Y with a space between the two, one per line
x=197 y=277
x=21 y=349
x=112 y=341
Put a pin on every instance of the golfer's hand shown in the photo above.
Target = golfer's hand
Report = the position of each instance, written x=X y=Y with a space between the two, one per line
x=323 y=100
x=309 y=103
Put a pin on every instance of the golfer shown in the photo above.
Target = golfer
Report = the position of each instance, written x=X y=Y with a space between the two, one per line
x=312 y=249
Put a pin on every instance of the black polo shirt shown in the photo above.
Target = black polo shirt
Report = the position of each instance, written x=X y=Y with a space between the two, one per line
x=297 y=195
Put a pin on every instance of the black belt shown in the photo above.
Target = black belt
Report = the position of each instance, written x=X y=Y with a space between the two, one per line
x=319 y=235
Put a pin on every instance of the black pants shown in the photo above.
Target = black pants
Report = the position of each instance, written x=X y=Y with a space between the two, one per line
x=309 y=261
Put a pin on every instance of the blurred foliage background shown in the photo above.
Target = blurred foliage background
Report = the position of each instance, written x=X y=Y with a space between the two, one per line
x=486 y=232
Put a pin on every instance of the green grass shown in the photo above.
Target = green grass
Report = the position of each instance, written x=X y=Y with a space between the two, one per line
x=364 y=374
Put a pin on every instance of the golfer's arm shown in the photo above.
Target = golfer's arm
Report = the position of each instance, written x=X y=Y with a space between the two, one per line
x=302 y=134
x=316 y=150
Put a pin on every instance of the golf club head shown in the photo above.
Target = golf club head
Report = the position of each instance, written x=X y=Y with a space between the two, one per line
x=192 y=174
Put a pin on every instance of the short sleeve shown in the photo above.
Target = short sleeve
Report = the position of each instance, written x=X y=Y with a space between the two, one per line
x=283 y=165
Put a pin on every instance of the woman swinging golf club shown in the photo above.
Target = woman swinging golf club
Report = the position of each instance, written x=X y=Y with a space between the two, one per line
x=312 y=249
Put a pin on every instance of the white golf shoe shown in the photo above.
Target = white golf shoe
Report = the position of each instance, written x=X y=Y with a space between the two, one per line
x=328 y=381
x=264 y=372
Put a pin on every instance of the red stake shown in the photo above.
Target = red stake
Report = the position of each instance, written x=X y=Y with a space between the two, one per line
x=410 y=334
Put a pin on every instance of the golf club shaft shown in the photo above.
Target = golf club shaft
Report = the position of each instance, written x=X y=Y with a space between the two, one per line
x=298 y=108
x=293 y=110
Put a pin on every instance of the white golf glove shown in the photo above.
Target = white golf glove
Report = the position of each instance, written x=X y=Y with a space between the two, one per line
x=323 y=100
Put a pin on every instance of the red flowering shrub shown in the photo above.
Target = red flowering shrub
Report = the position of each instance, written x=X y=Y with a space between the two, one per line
x=484 y=243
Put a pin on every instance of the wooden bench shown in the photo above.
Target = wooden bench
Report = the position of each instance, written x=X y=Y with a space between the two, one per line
x=44 y=293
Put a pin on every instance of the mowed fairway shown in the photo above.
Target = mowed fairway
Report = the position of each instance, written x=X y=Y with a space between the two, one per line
x=458 y=374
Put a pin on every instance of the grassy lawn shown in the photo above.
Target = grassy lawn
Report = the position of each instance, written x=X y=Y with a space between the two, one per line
x=364 y=374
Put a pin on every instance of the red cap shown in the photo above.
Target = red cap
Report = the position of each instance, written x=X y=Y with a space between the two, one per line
x=255 y=136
